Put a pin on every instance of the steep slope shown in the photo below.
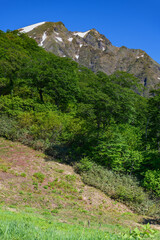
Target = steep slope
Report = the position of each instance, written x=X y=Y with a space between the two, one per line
x=29 y=179
x=32 y=183
x=94 y=51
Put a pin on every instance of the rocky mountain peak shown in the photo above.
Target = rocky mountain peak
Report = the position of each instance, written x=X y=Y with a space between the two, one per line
x=94 y=51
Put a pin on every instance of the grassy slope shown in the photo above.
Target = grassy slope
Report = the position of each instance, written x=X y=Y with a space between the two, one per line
x=56 y=193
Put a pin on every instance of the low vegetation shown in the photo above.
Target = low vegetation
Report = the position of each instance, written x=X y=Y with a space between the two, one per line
x=124 y=188
x=25 y=226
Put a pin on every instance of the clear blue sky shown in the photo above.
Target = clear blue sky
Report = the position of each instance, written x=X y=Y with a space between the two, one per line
x=132 y=23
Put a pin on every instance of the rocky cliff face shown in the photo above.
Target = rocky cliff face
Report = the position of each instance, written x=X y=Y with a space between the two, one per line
x=94 y=51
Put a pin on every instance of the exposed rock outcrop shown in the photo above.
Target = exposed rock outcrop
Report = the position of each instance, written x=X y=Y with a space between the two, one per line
x=95 y=51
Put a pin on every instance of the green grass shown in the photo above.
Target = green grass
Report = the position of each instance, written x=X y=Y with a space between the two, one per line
x=18 y=226
x=28 y=226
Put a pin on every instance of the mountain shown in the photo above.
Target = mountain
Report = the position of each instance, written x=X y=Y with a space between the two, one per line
x=95 y=51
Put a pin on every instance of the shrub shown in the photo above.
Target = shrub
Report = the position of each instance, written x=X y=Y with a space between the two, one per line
x=39 y=176
x=8 y=128
x=152 y=181
x=145 y=232
x=84 y=165
x=124 y=188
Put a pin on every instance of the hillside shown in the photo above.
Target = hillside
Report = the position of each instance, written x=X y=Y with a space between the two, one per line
x=94 y=51
x=37 y=191
x=29 y=179
x=32 y=183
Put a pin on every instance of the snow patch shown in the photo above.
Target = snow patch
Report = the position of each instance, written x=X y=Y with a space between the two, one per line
x=103 y=48
x=100 y=39
x=64 y=56
x=76 y=56
x=30 y=27
x=158 y=78
x=56 y=33
x=43 y=39
x=70 y=39
x=141 y=56
x=81 y=34
x=81 y=45
x=59 y=39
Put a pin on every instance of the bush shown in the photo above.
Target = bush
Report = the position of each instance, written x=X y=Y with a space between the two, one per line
x=84 y=165
x=123 y=188
x=8 y=128
x=152 y=181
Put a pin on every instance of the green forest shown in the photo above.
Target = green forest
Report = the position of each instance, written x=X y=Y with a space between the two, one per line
x=103 y=125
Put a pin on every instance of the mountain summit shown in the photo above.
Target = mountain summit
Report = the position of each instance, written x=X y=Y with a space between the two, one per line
x=94 y=51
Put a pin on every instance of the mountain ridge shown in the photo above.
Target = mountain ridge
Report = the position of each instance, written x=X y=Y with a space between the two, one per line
x=95 y=51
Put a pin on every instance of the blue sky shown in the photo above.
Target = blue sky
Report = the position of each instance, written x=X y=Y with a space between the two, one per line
x=130 y=23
